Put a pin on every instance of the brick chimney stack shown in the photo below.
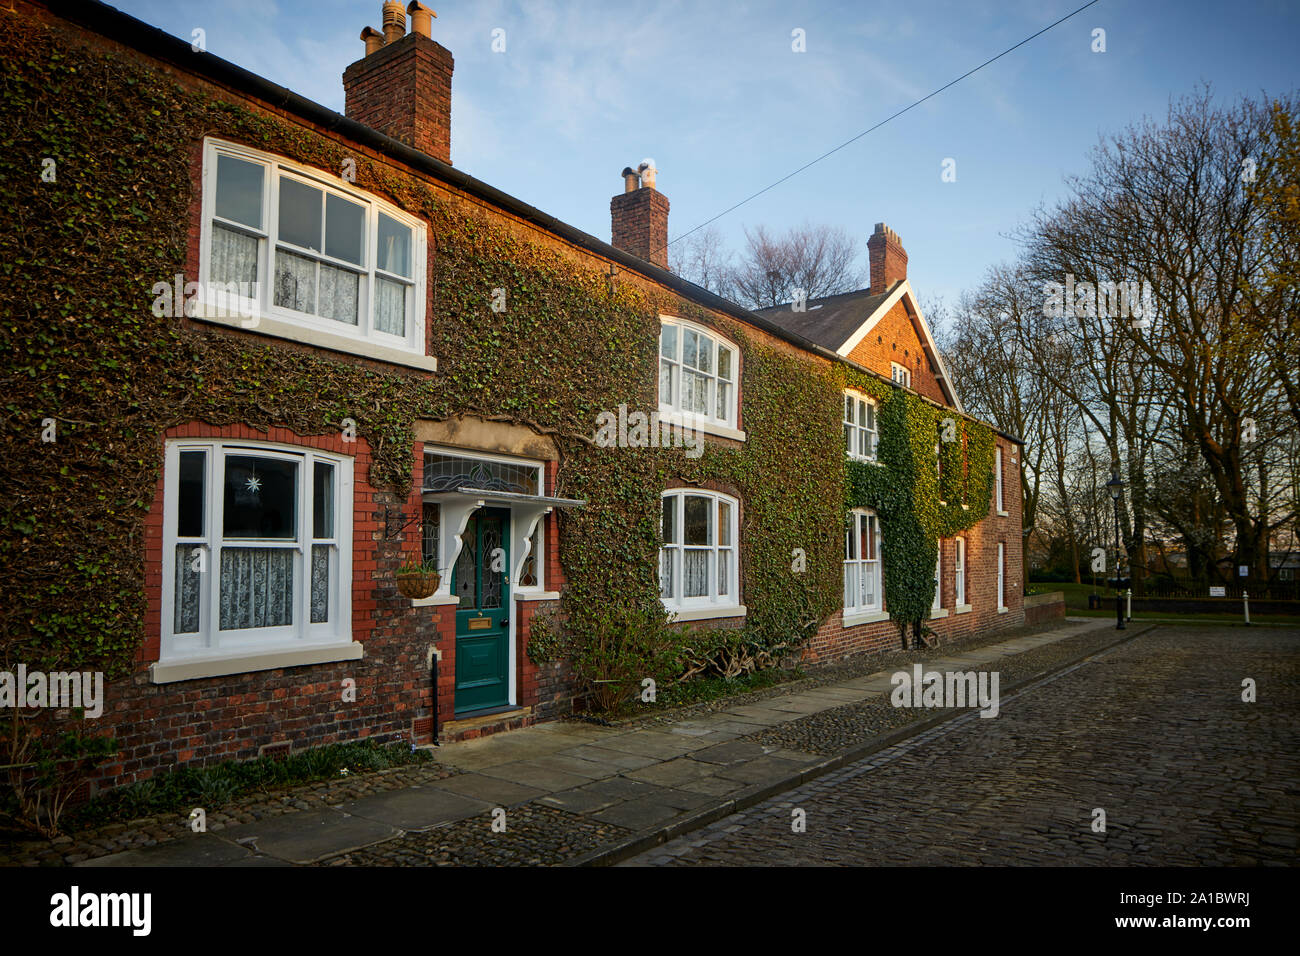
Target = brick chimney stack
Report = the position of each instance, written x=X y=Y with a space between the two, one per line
x=402 y=86
x=640 y=216
x=887 y=258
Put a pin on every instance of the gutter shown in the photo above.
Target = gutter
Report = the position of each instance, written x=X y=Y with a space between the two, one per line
x=112 y=23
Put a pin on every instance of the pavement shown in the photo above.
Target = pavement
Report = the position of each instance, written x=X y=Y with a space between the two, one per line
x=576 y=792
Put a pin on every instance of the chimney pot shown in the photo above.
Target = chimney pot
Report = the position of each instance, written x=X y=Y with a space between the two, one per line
x=374 y=40
x=394 y=21
x=631 y=181
x=648 y=172
x=421 y=18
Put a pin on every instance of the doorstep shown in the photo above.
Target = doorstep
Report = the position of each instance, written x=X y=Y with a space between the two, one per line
x=483 y=724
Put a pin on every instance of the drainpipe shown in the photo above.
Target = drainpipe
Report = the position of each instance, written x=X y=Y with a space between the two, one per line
x=434 y=657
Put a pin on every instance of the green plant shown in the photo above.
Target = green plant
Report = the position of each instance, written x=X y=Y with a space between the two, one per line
x=44 y=769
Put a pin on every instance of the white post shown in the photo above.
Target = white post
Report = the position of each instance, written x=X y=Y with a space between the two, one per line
x=1245 y=602
x=1128 y=605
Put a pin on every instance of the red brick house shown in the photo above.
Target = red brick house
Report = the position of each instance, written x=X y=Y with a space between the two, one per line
x=317 y=257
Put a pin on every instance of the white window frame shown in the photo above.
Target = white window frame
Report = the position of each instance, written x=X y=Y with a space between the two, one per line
x=997 y=471
x=210 y=642
x=959 y=576
x=1002 y=577
x=901 y=374
x=670 y=409
x=261 y=314
x=672 y=553
x=857 y=432
x=937 y=603
x=855 y=565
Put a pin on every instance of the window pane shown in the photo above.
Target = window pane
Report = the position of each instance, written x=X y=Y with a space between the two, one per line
x=848 y=438
x=490 y=589
x=695 y=572
x=190 y=501
x=338 y=294
x=261 y=496
x=703 y=389
x=300 y=212
x=665 y=382
x=390 y=306
x=394 y=246
x=864 y=538
x=188 y=592
x=429 y=533
x=295 y=282
x=724 y=522
x=256 y=587
x=724 y=400
x=687 y=399
x=724 y=572
x=849 y=405
x=670 y=521
x=665 y=572
x=704 y=355
x=724 y=363
x=528 y=576
x=697 y=520
x=234 y=257
x=690 y=347
x=322 y=500
x=668 y=342
x=344 y=228
x=239 y=191
x=320 y=582
x=869 y=415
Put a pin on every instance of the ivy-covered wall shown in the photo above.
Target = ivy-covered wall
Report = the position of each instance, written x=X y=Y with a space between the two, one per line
x=80 y=254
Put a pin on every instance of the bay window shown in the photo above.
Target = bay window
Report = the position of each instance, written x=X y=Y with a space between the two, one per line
x=308 y=256
x=257 y=548
x=697 y=563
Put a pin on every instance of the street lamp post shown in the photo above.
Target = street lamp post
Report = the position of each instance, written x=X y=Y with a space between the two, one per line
x=1116 y=487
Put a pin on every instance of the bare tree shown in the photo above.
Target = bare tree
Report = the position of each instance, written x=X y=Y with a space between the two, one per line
x=702 y=257
x=814 y=261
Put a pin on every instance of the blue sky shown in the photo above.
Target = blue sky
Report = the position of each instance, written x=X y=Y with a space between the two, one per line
x=713 y=92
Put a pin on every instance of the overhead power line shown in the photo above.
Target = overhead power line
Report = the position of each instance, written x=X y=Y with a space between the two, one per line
x=887 y=119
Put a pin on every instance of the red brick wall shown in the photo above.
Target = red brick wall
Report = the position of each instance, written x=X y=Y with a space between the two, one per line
x=894 y=339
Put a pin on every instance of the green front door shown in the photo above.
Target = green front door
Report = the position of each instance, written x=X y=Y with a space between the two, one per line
x=480 y=580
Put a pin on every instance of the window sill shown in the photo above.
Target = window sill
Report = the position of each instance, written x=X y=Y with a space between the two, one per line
x=1004 y=514
x=279 y=328
x=854 y=618
x=866 y=461
x=962 y=609
x=938 y=612
x=709 y=428
x=706 y=613
x=167 y=672
x=537 y=595
x=1003 y=610
x=435 y=600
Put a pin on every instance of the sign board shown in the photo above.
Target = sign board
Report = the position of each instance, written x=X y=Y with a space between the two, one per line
x=1218 y=592
x=1242 y=570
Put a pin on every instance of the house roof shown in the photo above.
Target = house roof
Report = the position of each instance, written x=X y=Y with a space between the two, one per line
x=831 y=320
x=152 y=41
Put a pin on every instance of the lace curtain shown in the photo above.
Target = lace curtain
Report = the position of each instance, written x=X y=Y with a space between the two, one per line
x=256 y=587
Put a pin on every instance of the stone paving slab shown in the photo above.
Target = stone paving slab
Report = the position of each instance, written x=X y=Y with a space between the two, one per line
x=638 y=814
x=310 y=835
x=204 y=849
x=673 y=773
x=494 y=790
x=416 y=808
x=531 y=774
x=730 y=753
x=592 y=769
x=654 y=744
x=615 y=758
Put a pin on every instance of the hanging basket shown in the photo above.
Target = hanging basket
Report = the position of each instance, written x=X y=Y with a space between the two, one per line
x=418 y=584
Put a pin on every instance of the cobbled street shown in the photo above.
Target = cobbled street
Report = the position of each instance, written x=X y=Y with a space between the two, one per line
x=1154 y=732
